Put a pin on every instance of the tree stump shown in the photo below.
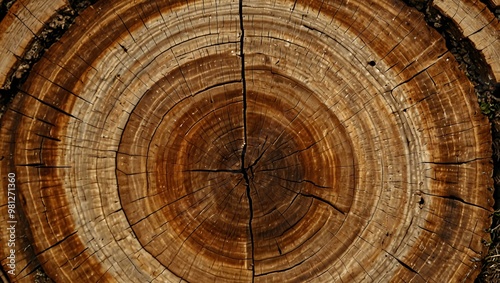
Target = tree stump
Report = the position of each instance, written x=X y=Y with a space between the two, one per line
x=250 y=141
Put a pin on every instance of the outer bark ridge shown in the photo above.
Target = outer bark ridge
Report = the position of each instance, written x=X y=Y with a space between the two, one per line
x=60 y=21
x=250 y=142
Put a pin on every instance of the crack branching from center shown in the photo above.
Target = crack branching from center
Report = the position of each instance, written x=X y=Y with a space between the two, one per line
x=245 y=138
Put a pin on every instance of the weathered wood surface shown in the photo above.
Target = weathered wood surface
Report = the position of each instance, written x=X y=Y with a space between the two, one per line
x=202 y=141
x=494 y=3
x=479 y=25
x=23 y=21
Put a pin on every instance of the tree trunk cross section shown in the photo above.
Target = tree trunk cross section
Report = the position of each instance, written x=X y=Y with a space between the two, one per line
x=249 y=141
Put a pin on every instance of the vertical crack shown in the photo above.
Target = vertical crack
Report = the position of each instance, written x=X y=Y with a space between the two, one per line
x=250 y=205
x=245 y=138
x=244 y=84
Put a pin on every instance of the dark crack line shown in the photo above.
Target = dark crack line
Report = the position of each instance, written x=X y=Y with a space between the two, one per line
x=179 y=199
x=298 y=263
x=284 y=269
x=402 y=263
x=318 y=198
x=455 y=162
x=295 y=152
x=215 y=171
x=250 y=228
x=245 y=138
x=455 y=198
x=260 y=155
x=323 y=201
x=299 y=181
x=58 y=242
x=244 y=86
x=49 y=105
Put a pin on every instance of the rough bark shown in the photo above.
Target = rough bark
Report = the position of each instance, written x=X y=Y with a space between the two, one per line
x=250 y=141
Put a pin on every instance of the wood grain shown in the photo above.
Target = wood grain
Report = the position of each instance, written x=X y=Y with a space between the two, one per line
x=251 y=141
x=479 y=25
x=24 y=20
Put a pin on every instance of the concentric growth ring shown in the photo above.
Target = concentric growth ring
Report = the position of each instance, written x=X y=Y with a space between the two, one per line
x=217 y=141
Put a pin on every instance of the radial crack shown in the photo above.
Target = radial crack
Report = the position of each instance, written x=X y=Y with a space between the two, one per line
x=243 y=170
x=323 y=201
x=298 y=181
x=318 y=198
x=455 y=198
x=214 y=170
x=403 y=264
x=250 y=228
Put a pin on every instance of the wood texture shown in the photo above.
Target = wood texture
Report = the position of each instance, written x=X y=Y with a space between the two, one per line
x=479 y=25
x=24 y=20
x=263 y=141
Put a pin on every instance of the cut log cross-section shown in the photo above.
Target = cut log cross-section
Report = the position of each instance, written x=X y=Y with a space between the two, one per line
x=250 y=141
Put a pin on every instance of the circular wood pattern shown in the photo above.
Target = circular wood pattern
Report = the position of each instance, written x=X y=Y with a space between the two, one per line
x=263 y=141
